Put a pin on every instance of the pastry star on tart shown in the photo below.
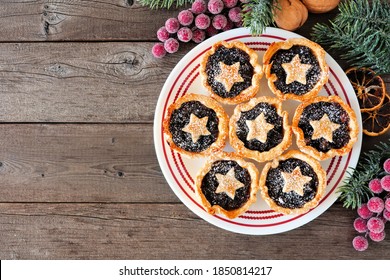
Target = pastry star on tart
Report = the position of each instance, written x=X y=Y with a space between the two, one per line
x=292 y=183
x=227 y=185
x=196 y=125
x=259 y=129
x=230 y=72
x=325 y=127
x=295 y=69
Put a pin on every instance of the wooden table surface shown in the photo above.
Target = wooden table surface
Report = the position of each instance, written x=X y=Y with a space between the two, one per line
x=79 y=177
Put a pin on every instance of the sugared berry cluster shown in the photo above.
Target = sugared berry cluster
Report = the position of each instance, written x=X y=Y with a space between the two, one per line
x=374 y=214
x=203 y=19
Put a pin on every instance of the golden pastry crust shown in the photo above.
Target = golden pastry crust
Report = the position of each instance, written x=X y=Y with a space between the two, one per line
x=318 y=52
x=239 y=146
x=254 y=187
x=223 y=125
x=321 y=176
x=244 y=95
x=352 y=125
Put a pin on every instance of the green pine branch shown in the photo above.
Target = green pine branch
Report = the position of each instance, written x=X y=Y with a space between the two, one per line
x=164 y=4
x=361 y=32
x=257 y=15
x=355 y=190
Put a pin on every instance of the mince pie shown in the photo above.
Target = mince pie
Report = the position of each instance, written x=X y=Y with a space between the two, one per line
x=259 y=129
x=230 y=72
x=196 y=125
x=295 y=69
x=325 y=127
x=227 y=185
x=293 y=183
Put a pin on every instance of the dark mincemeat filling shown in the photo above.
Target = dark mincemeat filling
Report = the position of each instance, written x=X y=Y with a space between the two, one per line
x=336 y=114
x=285 y=56
x=181 y=117
x=229 y=57
x=274 y=136
x=210 y=185
x=275 y=183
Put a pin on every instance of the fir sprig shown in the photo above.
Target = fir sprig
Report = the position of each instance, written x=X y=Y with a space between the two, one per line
x=164 y=4
x=361 y=32
x=258 y=14
x=355 y=190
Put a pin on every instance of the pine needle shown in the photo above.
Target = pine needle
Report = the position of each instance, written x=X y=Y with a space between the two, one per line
x=258 y=14
x=361 y=32
x=355 y=190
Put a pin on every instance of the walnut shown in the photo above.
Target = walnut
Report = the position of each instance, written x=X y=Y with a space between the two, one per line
x=320 y=6
x=290 y=15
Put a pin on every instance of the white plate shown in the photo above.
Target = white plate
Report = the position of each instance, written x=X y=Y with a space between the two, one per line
x=180 y=171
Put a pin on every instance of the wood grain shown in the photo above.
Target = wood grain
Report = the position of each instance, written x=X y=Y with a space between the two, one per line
x=79 y=82
x=165 y=231
x=78 y=171
x=90 y=20
x=79 y=20
x=82 y=82
x=80 y=163
x=85 y=163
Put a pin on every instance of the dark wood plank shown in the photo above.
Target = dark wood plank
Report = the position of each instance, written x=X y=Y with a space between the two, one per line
x=79 y=82
x=89 y=20
x=79 y=20
x=166 y=231
x=85 y=163
x=80 y=163
x=95 y=191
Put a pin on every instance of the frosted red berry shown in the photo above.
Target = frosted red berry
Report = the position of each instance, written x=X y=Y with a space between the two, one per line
x=375 y=225
x=162 y=34
x=202 y=21
x=199 y=6
x=230 y=3
x=386 y=166
x=158 y=50
x=377 y=237
x=386 y=215
x=360 y=225
x=184 y=34
x=172 y=25
x=364 y=212
x=360 y=243
x=375 y=186
x=387 y=204
x=235 y=14
x=385 y=183
x=219 y=22
x=198 y=35
x=215 y=6
x=185 y=17
x=171 y=45
x=375 y=204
